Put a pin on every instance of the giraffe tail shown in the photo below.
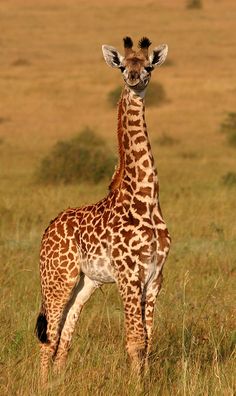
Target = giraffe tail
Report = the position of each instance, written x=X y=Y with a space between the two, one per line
x=41 y=327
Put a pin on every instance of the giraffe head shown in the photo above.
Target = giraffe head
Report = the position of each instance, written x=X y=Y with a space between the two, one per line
x=135 y=66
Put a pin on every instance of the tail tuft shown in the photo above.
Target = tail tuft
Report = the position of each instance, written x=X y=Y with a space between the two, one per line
x=41 y=328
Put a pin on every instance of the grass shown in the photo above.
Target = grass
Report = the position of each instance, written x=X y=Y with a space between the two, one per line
x=63 y=87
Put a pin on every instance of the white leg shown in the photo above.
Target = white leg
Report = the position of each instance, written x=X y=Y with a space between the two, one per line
x=82 y=293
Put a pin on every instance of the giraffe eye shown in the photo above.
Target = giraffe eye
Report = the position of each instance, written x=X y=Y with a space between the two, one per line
x=148 y=69
x=122 y=68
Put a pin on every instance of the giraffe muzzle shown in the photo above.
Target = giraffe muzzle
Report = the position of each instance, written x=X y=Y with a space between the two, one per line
x=133 y=78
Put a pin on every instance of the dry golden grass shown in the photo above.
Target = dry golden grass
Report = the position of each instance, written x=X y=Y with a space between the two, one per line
x=53 y=83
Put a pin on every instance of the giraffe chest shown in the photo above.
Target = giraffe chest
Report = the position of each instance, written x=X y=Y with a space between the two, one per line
x=128 y=241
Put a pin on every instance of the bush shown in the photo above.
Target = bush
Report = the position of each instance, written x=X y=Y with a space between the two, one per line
x=228 y=127
x=168 y=62
x=229 y=179
x=166 y=140
x=194 y=4
x=155 y=95
x=85 y=157
x=114 y=96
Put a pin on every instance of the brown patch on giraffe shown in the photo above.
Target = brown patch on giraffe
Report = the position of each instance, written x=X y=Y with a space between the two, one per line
x=123 y=249
x=129 y=219
x=163 y=243
x=144 y=253
x=133 y=112
x=141 y=207
x=147 y=233
x=139 y=154
x=133 y=103
x=150 y=178
x=159 y=281
x=127 y=235
x=135 y=243
x=135 y=283
x=134 y=132
x=128 y=161
x=156 y=189
x=139 y=140
x=74 y=273
x=90 y=229
x=134 y=122
x=141 y=274
x=64 y=217
x=130 y=262
x=115 y=253
x=132 y=171
x=64 y=246
x=121 y=266
x=60 y=230
x=105 y=217
x=93 y=239
x=141 y=174
x=145 y=192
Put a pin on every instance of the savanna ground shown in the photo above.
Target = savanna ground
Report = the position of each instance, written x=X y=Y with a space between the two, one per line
x=53 y=83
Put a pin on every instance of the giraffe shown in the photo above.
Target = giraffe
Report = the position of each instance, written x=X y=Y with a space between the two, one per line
x=121 y=239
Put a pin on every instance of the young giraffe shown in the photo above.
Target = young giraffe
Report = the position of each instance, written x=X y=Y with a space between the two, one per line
x=122 y=239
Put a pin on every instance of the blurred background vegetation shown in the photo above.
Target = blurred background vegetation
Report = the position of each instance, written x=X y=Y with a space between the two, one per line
x=83 y=158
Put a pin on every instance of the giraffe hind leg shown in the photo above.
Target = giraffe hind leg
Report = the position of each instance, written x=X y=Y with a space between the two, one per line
x=50 y=321
x=81 y=294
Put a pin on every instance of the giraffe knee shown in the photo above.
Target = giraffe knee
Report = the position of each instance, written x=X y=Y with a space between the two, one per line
x=137 y=350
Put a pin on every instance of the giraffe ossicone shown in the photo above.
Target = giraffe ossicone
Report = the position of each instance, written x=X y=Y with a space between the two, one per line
x=122 y=238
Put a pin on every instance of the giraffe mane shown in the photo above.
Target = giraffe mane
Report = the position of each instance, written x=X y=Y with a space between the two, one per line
x=118 y=174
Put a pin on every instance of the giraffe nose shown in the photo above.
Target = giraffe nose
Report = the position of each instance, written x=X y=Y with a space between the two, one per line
x=133 y=75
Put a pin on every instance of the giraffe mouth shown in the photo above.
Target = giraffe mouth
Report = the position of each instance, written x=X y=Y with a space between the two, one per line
x=138 y=86
x=132 y=84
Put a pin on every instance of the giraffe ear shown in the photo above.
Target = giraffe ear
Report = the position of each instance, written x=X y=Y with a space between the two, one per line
x=158 y=55
x=112 y=57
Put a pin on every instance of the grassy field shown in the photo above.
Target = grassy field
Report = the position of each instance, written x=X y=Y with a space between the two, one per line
x=53 y=83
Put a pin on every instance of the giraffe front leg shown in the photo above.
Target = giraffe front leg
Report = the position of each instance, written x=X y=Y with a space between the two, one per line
x=135 y=333
x=148 y=305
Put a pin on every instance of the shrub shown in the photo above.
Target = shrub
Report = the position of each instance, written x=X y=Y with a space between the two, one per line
x=229 y=179
x=114 y=96
x=168 y=62
x=189 y=155
x=4 y=119
x=228 y=127
x=155 y=96
x=21 y=62
x=166 y=140
x=194 y=4
x=85 y=157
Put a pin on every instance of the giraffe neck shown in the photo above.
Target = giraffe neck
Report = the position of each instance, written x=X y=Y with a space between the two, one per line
x=136 y=170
